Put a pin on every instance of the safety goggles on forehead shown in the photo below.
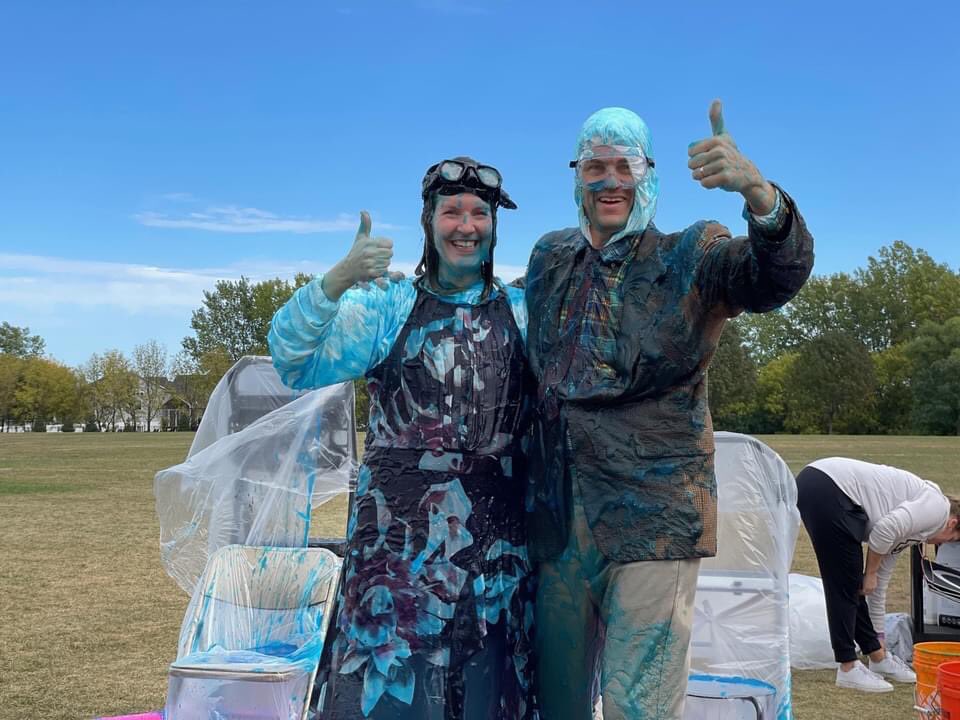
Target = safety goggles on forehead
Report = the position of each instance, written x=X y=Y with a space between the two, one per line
x=455 y=171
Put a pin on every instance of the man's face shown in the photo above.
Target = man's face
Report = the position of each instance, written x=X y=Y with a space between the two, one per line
x=462 y=232
x=950 y=533
x=608 y=194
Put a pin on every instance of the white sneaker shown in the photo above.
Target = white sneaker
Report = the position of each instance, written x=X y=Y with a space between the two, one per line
x=860 y=678
x=893 y=668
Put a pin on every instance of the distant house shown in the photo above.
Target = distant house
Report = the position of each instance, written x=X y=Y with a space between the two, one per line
x=187 y=400
x=182 y=401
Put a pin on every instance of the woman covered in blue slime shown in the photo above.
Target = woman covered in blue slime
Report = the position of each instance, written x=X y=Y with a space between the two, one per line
x=434 y=612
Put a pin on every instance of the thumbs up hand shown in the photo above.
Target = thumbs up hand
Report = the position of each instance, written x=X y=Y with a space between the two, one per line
x=717 y=162
x=368 y=259
x=716 y=118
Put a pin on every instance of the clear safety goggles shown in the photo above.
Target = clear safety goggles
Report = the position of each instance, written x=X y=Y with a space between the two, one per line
x=602 y=165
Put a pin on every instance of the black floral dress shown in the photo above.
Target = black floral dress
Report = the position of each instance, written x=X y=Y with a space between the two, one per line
x=435 y=608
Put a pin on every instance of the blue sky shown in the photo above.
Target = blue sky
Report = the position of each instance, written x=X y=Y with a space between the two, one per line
x=148 y=149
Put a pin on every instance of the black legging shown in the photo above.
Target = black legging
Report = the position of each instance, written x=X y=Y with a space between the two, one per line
x=837 y=528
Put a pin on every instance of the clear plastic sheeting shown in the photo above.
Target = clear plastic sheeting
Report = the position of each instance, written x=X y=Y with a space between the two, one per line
x=257 y=486
x=252 y=636
x=810 y=647
x=249 y=390
x=741 y=620
x=809 y=633
x=898 y=635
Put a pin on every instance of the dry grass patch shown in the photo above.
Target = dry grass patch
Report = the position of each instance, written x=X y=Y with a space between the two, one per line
x=89 y=620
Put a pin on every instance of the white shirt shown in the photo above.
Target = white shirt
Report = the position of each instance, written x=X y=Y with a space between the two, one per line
x=902 y=509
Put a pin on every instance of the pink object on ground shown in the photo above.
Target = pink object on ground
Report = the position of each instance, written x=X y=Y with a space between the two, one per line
x=156 y=715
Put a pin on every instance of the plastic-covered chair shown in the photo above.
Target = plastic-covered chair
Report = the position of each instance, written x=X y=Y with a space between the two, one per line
x=252 y=635
x=250 y=389
x=741 y=610
x=258 y=485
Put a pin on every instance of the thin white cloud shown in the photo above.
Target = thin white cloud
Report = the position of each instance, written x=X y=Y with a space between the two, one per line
x=234 y=219
x=43 y=284
x=40 y=284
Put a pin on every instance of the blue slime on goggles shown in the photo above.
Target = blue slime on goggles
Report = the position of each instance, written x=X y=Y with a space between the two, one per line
x=608 y=166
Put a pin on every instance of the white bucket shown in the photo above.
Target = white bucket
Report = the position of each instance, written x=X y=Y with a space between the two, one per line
x=721 y=697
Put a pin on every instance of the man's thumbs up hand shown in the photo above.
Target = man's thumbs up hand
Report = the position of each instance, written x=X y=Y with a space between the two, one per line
x=717 y=162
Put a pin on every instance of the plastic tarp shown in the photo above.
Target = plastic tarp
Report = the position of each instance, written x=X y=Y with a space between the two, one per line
x=898 y=629
x=257 y=486
x=252 y=635
x=741 y=610
x=809 y=634
x=810 y=647
x=247 y=391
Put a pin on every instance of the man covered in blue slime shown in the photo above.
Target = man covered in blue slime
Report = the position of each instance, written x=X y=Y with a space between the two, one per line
x=624 y=320
x=435 y=607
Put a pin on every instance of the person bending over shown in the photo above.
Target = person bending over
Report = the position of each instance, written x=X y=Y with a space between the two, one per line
x=844 y=503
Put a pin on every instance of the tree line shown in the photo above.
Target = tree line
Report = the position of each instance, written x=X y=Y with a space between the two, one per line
x=111 y=391
x=107 y=392
x=873 y=351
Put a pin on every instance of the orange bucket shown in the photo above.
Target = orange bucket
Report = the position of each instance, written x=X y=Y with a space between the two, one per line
x=927 y=658
x=948 y=685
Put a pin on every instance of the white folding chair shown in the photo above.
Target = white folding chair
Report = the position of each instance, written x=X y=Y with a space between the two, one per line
x=252 y=635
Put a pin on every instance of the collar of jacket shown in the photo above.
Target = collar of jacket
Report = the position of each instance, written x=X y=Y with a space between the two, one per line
x=617 y=251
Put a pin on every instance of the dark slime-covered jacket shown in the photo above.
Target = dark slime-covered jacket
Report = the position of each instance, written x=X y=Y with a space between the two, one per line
x=632 y=426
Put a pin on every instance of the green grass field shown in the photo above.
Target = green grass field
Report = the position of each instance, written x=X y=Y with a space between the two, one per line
x=89 y=620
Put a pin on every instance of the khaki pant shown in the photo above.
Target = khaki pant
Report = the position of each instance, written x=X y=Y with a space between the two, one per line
x=618 y=629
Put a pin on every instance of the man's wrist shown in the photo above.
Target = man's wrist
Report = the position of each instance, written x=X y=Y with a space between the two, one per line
x=761 y=198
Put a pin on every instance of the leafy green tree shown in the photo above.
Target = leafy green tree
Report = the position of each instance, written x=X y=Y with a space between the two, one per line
x=894 y=396
x=935 y=354
x=732 y=381
x=94 y=396
x=361 y=403
x=770 y=401
x=768 y=335
x=151 y=364
x=112 y=387
x=194 y=381
x=47 y=391
x=824 y=304
x=881 y=305
x=18 y=341
x=830 y=386
x=235 y=317
x=904 y=288
x=11 y=368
